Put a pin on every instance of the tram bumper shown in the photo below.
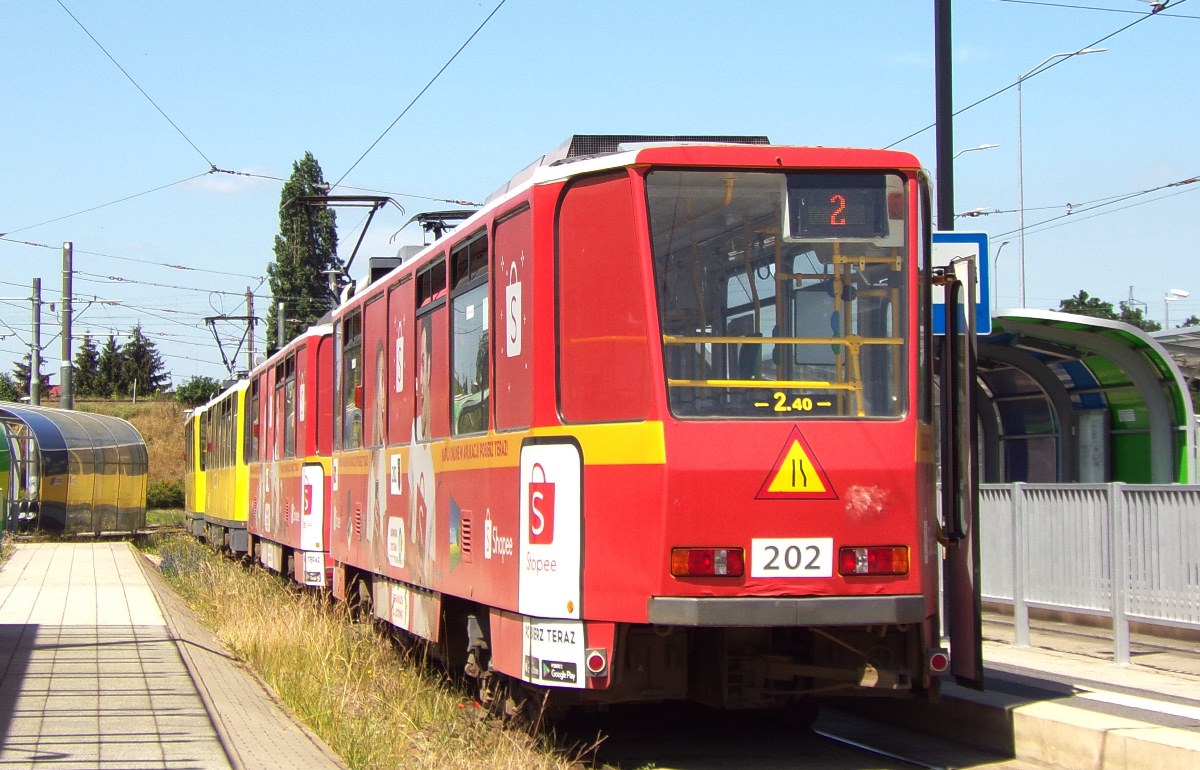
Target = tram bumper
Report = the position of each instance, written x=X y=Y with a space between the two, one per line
x=786 y=611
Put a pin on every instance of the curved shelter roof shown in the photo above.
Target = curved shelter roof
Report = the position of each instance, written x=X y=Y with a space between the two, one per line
x=75 y=472
x=1081 y=399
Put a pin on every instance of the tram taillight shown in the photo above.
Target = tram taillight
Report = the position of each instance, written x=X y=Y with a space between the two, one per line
x=873 y=560
x=707 y=562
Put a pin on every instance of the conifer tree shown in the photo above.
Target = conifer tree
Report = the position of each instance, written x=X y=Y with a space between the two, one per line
x=143 y=364
x=21 y=377
x=110 y=370
x=86 y=374
x=305 y=248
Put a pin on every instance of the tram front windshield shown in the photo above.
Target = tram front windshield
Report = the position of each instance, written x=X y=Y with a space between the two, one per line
x=782 y=295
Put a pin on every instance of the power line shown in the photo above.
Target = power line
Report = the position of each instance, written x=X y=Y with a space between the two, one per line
x=420 y=94
x=97 y=278
x=1074 y=213
x=1094 y=8
x=135 y=85
x=1013 y=85
x=102 y=205
x=139 y=261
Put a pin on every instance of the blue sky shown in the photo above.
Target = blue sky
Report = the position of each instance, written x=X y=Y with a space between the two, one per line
x=250 y=87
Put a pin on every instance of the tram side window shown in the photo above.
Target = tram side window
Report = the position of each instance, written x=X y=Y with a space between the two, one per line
x=351 y=391
x=227 y=432
x=277 y=415
x=204 y=419
x=219 y=436
x=222 y=434
x=252 y=424
x=469 y=381
x=431 y=293
x=289 y=407
x=375 y=365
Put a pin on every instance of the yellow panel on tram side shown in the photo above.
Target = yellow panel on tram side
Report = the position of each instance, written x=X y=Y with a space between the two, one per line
x=193 y=477
x=226 y=472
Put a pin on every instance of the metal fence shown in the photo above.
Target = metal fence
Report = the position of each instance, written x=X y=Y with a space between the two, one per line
x=1132 y=551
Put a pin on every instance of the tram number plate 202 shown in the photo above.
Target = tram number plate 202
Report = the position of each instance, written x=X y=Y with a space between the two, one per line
x=791 y=557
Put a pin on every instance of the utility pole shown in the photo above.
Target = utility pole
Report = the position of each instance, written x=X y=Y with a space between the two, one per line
x=67 y=393
x=250 y=329
x=35 y=347
x=944 y=110
x=280 y=341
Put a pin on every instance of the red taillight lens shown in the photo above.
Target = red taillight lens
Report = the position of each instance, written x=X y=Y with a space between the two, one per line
x=707 y=562
x=873 y=560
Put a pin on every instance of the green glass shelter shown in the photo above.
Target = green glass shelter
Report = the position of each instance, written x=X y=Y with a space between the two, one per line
x=1066 y=398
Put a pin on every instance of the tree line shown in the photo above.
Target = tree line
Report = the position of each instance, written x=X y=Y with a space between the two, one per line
x=1130 y=312
x=101 y=371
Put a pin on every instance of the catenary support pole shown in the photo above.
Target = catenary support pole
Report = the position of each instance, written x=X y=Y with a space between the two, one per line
x=66 y=399
x=35 y=348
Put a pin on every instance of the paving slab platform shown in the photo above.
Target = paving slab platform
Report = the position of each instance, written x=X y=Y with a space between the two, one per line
x=102 y=666
x=1062 y=701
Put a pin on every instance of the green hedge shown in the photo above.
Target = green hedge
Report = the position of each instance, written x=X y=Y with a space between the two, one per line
x=164 y=494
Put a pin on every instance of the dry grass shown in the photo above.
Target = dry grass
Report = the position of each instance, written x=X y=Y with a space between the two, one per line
x=161 y=424
x=371 y=705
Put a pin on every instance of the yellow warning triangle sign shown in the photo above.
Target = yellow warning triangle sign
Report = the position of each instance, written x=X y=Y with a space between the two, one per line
x=796 y=474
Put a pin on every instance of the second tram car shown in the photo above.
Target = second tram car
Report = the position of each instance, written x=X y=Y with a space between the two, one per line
x=656 y=423
x=290 y=421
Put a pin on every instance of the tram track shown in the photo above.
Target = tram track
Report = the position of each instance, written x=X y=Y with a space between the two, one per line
x=690 y=739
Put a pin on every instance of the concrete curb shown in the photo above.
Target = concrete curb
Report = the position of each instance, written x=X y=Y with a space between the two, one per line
x=1049 y=731
x=254 y=727
x=1059 y=735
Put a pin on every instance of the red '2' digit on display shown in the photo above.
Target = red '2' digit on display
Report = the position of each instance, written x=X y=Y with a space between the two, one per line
x=836 y=218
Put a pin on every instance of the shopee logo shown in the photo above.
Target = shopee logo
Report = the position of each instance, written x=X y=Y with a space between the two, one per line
x=541 y=508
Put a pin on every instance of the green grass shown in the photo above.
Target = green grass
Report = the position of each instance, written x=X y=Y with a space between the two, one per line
x=372 y=705
x=164 y=517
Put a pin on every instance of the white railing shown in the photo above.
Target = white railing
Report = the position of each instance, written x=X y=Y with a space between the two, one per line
x=1132 y=551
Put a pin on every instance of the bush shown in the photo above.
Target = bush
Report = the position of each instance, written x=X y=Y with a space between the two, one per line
x=164 y=494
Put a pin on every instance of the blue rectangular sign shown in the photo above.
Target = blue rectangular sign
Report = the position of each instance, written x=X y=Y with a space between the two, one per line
x=949 y=246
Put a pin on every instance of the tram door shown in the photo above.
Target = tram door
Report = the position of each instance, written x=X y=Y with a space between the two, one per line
x=960 y=477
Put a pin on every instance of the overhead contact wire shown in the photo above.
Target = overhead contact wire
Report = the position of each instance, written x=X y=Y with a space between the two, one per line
x=420 y=94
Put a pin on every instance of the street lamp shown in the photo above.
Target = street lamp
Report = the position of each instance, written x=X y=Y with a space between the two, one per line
x=975 y=149
x=996 y=277
x=1021 y=164
x=1174 y=295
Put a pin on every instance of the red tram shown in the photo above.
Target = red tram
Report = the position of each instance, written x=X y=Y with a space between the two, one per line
x=656 y=423
x=290 y=438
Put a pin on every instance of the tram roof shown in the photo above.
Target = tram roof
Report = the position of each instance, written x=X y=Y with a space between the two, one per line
x=316 y=330
x=589 y=153
x=585 y=153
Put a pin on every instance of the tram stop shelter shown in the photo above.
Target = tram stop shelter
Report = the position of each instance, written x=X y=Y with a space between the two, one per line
x=1067 y=398
x=73 y=473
